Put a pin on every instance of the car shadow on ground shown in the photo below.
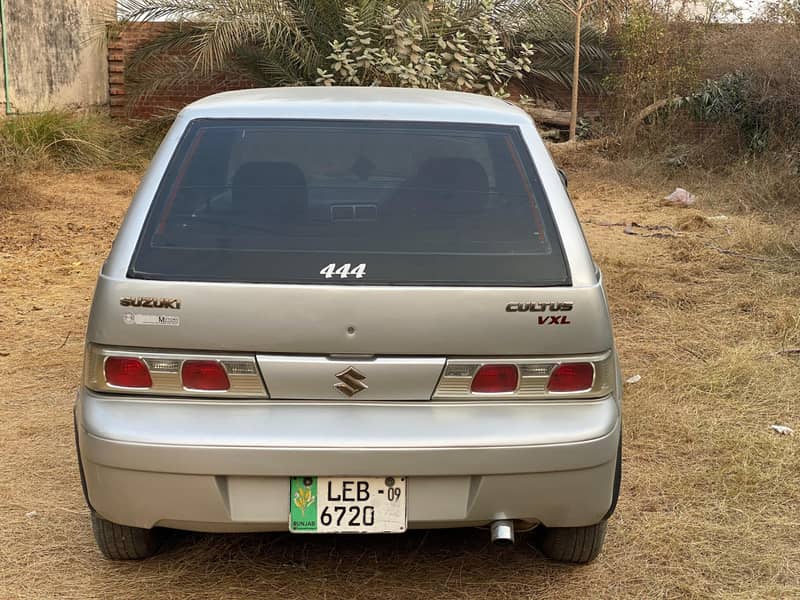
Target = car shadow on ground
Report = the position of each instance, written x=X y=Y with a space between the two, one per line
x=430 y=563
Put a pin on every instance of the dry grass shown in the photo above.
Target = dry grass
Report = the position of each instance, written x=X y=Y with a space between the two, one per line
x=712 y=159
x=67 y=140
x=709 y=505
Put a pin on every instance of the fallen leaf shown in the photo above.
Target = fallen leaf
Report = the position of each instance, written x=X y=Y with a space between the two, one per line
x=634 y=379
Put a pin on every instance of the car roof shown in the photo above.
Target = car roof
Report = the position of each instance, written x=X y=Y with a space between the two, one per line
x=369 y=103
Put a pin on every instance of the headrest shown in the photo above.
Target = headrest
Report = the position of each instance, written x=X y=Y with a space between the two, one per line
x=445 y=186
x=269 y=190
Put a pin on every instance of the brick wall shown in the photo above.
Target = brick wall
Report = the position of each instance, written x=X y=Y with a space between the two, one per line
x=120 y=47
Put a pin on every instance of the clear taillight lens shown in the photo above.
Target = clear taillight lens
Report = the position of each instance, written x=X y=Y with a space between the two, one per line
x=205 y=375
x=571 y=377
x=495 y=379
x=127 y=372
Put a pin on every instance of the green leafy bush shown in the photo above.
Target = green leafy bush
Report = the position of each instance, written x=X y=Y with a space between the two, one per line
x=732 y=98
x=476 y=45
x=449 y=53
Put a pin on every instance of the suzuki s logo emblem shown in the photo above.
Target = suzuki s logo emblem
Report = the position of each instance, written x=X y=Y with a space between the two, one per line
x=350 y=382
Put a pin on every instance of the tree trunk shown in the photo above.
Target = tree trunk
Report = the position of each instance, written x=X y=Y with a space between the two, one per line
x=559 y=118
x=633 y=125
x=576 y=65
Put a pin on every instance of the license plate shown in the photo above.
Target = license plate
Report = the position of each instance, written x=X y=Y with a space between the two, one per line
x=347 y=505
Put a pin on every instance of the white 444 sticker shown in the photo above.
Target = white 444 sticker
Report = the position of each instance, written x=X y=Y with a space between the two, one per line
x=344 y=271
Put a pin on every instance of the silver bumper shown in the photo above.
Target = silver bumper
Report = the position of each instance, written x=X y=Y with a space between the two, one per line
x=223 y=466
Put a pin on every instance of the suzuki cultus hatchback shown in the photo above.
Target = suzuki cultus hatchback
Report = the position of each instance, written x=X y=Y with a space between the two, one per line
x=350 y=310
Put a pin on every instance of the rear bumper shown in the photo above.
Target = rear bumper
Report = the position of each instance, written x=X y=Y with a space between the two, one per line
x=217 y=466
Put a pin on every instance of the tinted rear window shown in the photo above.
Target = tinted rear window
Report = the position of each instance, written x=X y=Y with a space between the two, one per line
x=340 y=202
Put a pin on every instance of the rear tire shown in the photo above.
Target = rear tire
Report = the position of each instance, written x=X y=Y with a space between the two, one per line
x=120 y=542
x=579 y=545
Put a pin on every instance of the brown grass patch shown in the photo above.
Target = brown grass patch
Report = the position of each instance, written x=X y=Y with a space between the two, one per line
x=709 y=496
x=693 y=221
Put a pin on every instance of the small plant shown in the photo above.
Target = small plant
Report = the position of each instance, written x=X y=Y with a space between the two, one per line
x=583 y=129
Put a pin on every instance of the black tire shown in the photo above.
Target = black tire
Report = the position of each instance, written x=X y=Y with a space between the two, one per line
x=579 y=545
x=120 y=542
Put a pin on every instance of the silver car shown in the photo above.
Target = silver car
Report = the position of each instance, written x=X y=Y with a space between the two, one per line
x=350 y=310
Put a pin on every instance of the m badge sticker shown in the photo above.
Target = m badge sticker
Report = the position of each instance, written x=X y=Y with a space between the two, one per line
x=140 y=319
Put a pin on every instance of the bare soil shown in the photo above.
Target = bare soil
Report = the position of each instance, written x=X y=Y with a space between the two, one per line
x=710 y=504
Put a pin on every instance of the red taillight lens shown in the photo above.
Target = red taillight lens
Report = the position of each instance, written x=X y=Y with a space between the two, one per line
x=495 y=379
x=127 y=372
x=206 y=375
x=571 y=377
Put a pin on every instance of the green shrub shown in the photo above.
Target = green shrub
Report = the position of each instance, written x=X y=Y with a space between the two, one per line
x=400 y=52
x=471 y=45
x=732 y=98
x=72 y=141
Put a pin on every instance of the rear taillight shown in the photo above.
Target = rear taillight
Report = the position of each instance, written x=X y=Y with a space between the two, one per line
x=571 y=377
x=205 y=375
x=495 y=379
x=589 y=376
x=127 y=372
x=170 y=373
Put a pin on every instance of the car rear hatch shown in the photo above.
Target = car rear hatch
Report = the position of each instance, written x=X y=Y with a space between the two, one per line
x=356 y=259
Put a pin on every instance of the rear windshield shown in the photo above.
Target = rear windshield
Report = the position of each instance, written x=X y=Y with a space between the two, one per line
x=350 y=202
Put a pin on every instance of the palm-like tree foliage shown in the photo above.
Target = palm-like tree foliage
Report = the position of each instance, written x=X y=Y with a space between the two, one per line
x=286 y=42
x=549 y=29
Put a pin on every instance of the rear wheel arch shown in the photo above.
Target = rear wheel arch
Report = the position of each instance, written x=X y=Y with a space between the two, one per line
x=617 y=480
x=80 y=460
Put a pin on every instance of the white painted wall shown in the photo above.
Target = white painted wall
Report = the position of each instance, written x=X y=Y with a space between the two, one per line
x=56 y=54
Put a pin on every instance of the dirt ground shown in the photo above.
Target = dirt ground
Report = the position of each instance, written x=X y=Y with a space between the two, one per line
x=710 y=504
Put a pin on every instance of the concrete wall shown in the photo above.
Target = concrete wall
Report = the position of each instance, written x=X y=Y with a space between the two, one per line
x=56 y=54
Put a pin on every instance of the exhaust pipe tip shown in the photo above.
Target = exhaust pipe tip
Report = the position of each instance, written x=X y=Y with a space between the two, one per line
x=502 y=532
